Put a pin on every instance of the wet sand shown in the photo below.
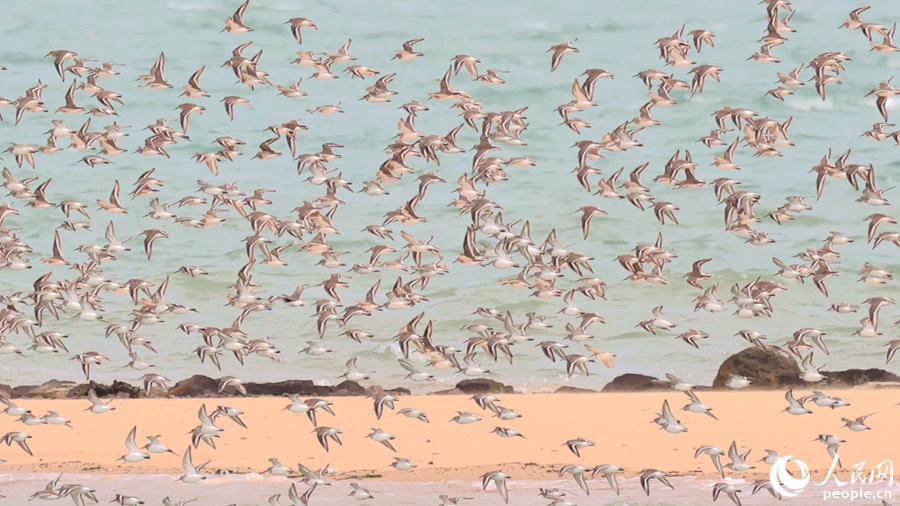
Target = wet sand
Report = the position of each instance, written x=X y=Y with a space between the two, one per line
x=618 y=423
x=253 y=489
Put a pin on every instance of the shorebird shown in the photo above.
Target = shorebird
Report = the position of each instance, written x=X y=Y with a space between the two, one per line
x=308 y=406
x=668 y=422
x=464 y=418
x=559 y=51
x=19 y=438
x=233 y=413
x=292 y=91
x=12 y=409
x=359 y=493
x=134 y=453
x=151 y=236
x=578 y=473
x=154 y=446
x=383 y=438
x=650 y=474
x=98 y=407
x=192 y=89
x=53 y=418
x=738 y=461
x=324 y=433
x=857 y=424
x=765 y=484
x=575 y=445
x=831 y=443
x=297 y=24
x=610 y=472
x=715 y=454
x=277 y=468
x=737 y=382
x=402 y=464
x=235 y=24
x=127 y=500
x=233 y=382
x=499 y=479
x=231 y=101
x=696 y=406
x=506 y=433
x=727 y=489
x=408 y=53
x=771 y=457
x=191 y=472
x=413 y=413
x=810 y=372
x=795 y=407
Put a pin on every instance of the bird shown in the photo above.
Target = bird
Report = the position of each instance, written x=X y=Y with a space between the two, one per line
x=499 y=478
x=383 y=438
x=191 y=472
x=610 y=472
x=668 y=422
x=231 y=101
x=795 y=407
x=98 y=407
x=696 y=406
x=154 y=446
x=235 y=24
x=19 y=438
x=408 y=53
x=297 y=24
x=359 y=493
x=715 y=454
x=575 y=445
x=324 y=433
x=588 y=212
x=832 y=443
x=728 y=489
x=738 y=461
x=134 y=453
x=650 y=474
x=857 y=424
x=509 y=196
x=151 y=236
x=559 y=51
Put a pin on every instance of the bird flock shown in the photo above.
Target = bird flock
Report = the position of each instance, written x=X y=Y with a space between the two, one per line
x=549 y=271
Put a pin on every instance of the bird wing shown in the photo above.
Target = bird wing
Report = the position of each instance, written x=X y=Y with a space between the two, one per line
x=130 y=443
x=186 y=463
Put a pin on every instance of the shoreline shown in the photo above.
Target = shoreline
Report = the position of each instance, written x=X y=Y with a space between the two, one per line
x=256 y=490
x=620 y=425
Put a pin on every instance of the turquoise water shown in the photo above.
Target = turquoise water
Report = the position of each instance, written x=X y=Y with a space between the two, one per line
x=512 y=36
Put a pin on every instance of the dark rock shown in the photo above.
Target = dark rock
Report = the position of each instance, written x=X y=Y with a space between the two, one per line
x=53 y=389
x=299 y=387
x=573 y=390
x=855 y=377
x=118 y=389
x=635 y=383
x=770 y=369
x=6 y=390
x=21 y=391
x=452 y=391
x=305 y=388
x=378 y=389
x=347 y=388
x=483 y=386
x=195 y=386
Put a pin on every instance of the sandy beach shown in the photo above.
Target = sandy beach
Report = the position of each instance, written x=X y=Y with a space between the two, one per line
x=618 y=423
